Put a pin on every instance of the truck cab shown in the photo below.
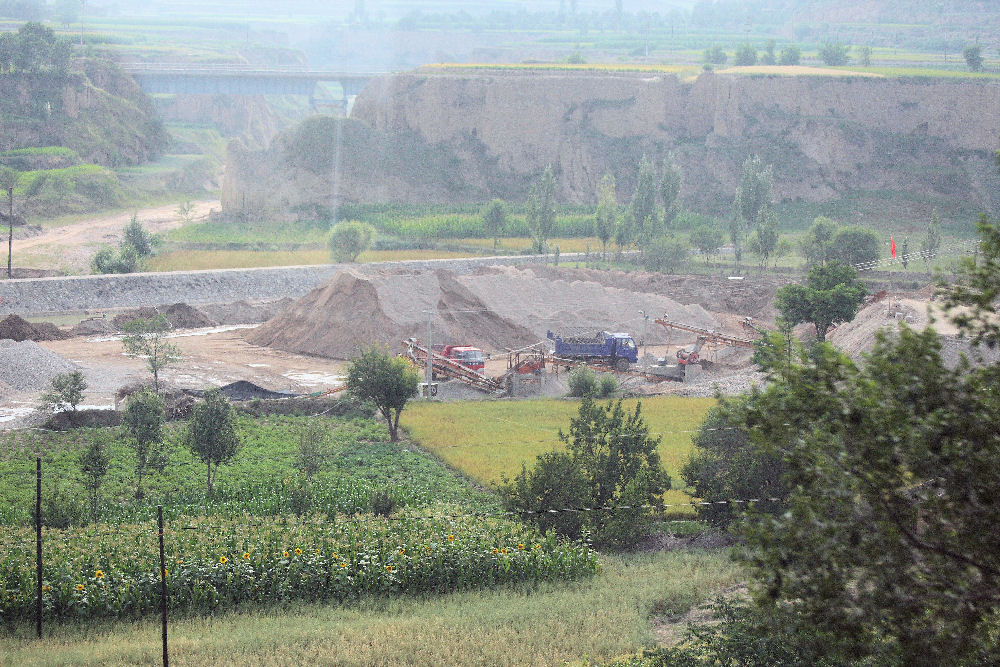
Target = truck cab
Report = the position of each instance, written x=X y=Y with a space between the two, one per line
x=467 y=355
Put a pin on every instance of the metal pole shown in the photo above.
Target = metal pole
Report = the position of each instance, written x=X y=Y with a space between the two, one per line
x=429 y=373
x=163 y=584
x=38 y=542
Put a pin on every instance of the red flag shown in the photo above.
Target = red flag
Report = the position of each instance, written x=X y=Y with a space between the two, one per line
x=892 y=247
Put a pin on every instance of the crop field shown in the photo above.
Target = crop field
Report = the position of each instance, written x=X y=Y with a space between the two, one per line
x=546 y=623
x=374 y=518
x=497 y=438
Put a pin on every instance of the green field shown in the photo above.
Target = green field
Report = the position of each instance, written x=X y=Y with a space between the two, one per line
x=598 y=618
x=374 y=519
x=486 y=440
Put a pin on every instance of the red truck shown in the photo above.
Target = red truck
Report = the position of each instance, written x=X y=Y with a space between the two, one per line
x=470 y=357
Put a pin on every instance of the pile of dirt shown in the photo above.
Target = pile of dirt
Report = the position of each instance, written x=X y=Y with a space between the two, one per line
x=355 y=310
x=495 y=309
x=857 y=337
x=26 y=366
x=93 y=326
x=16 y=328
x=244 y=312
x=180 y=316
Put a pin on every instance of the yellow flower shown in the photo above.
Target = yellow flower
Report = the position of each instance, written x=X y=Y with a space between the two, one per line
x=285 y=554
x=180 y=562
x=99 y=574
x=343 y=565
x=166 y=573
x=246 y=555
x=451 y=538
x=46 y=588
x=538 y=546
x=521 y=547
x=402 y=551
x=298 y=552
x=335 y=555
x=80 y=587
x=428 y=548
x=388 y=568
x=317 y=552
x=223 y=560
x=495 y=550
x=504 y=550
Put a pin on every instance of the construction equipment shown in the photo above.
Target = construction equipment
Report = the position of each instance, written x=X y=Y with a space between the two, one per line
x=705 y=337
x=452 y=368
x=614 y=350
x=467 y=355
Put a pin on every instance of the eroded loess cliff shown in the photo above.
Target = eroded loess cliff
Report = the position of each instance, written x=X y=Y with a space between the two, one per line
x=479 y=134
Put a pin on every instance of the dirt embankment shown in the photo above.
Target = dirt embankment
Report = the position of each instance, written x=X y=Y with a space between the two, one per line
x=473 y=137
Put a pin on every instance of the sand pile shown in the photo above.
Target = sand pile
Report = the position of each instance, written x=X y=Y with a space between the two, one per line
x=25 y=365
x=495 y=309
x=16 y=328
x=180 y=316
x=354 y=310
x=244 y=312
x=857 y=337
x=541 y=304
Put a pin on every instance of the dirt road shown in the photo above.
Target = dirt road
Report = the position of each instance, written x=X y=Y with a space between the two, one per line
x=71 y=247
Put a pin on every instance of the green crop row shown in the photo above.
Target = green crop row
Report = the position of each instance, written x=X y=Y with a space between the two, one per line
x=218 y=563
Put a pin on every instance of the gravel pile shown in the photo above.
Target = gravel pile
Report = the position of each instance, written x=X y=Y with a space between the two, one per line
x=25 y=365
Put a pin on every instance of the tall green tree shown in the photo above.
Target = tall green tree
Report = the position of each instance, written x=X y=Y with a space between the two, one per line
x=670 y=190
x=137 y=236
x=707 y=239
x=790 y=55
x=817 y=246
x=764 y=239
x=211 y=433
x=831 y=295
x=384 y=380
x=607 y=211
x=835 y=54
x=932 y=240
x=142 y=431
x=643 y=206
x=888 y=540
x=495 y=220
x=973 y=298
x=973 y=57
x=147 y=338
x=768 y=57
x=94 y=466
x=541 y=209
x=745 y=55
x=753 y=193
x=611 y=460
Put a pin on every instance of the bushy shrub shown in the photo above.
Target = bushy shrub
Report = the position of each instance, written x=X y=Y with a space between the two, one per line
x=349 y=239
x=608 y=385
x=666 y=255
x=726 y=466
x=582 y=382
x=611 y=463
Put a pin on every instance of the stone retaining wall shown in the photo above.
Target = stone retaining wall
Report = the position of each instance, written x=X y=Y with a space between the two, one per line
x=43 y=296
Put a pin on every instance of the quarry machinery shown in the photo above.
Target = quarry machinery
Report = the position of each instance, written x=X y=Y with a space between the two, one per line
x=614 y=350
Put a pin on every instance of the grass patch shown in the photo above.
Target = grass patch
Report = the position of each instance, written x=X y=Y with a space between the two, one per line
x=497 y=438
x=598 y=618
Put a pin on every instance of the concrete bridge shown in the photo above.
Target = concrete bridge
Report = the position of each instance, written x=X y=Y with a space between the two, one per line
x=228 y=79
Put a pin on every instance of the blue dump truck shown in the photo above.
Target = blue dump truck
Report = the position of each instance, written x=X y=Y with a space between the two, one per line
x=617 y=350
